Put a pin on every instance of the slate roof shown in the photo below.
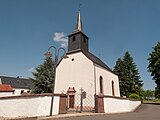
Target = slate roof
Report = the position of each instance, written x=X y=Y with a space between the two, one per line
x=98 y=61
x=93 y=58
x=17 y=82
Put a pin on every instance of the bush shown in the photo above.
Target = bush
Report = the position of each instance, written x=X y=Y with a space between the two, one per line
x=134 y=96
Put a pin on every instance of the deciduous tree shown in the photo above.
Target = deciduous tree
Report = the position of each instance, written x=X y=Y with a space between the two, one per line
x=148 y=94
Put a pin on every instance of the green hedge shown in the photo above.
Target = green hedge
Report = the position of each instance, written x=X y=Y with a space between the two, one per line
x=134 y=96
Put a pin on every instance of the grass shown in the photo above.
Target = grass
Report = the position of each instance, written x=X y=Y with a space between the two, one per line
x=152 y=101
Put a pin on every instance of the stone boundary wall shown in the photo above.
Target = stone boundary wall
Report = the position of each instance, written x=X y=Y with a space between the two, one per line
x=31 y=105
x=6 y=93
x=119 y=104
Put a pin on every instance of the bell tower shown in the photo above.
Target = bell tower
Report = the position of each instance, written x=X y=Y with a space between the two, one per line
x=78 y=40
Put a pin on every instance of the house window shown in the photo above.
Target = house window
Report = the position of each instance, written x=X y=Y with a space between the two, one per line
x=101 y=84
x=22 y=91
x=28 y=91
x=113 y=88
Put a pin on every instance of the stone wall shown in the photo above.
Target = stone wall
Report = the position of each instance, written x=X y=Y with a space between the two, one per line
x=119 y=105
x=31 y=105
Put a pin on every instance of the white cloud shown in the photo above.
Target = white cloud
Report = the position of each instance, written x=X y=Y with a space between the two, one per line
x=31 y=69
x=61 y=38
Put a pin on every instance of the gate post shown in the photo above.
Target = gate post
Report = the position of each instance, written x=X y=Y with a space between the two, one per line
x=99 y=104
x=62 y=104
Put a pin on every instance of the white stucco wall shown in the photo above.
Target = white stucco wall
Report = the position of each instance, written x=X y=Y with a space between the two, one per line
x=18 y=91
x=83 y=73
x=28 y=106
x=78 y=73
x=113 y=105
x=2 y=94
x=108 y=77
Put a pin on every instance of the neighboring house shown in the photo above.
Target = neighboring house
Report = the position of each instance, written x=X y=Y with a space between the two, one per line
x=18 y=84
x=6 y=90
x=83 y=71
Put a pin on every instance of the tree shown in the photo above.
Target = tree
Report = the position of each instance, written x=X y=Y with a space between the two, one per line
x=128 y=76
x=43 y=77
x=148 y=94
x=119 y=70
x=154 y=67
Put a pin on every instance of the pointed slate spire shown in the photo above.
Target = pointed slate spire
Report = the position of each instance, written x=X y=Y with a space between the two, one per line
x=78 y=40
x=79 y=22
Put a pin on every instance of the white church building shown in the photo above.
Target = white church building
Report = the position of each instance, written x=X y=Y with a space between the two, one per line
x=84 y=71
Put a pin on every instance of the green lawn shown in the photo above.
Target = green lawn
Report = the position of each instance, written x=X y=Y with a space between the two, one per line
x=152 y=101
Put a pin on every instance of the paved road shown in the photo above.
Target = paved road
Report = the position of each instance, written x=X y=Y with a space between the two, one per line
x=145 y=112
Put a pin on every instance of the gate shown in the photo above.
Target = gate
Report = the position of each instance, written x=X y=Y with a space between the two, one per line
x=81 y=102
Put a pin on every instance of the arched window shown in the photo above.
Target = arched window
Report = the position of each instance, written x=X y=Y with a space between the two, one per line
x=101 y=84
x=113 y=88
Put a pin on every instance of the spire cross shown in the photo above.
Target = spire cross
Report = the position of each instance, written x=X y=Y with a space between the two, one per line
x=79 y=6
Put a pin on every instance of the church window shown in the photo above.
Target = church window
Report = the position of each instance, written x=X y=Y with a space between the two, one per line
x=74 y=38
x=101 y=84
x=113 y=88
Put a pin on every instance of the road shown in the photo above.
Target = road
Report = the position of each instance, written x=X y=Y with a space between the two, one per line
x=144 y=112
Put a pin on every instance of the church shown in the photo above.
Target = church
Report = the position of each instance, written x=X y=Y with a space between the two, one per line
x=84 y=72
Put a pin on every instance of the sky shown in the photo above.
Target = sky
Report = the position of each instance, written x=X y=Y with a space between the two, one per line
x=29 y=27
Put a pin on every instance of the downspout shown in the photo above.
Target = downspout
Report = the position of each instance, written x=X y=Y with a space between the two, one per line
x=95 y=97
x=94 y=79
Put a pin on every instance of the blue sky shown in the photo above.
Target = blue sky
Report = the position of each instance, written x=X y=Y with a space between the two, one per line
x=29 y=27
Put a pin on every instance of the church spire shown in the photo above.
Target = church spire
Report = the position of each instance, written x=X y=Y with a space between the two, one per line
x=79 y=22
x=78 y=40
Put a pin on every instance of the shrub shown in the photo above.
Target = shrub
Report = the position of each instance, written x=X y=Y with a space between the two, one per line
x=134 y=96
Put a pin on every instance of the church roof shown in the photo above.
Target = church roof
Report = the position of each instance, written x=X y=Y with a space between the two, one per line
x=17 y=82
x=93 y=58
x=98 y=61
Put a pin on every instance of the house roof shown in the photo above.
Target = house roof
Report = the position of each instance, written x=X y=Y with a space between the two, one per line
x=5 y=87
x=17 y=82
x=93 y=58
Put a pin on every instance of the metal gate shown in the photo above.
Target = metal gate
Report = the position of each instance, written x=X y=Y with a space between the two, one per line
x=81 y=102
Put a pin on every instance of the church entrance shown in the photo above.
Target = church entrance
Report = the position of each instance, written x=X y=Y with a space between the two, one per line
x=71 y=101
x=80 y=101
x=71 y=98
